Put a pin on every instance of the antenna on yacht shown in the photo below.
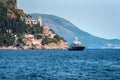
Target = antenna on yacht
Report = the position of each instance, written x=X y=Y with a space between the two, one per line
x=77 y=41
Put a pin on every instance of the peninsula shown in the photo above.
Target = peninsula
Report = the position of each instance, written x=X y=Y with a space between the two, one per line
x=19 y=30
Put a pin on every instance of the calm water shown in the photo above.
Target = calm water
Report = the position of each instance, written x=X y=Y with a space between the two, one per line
x=59 y=65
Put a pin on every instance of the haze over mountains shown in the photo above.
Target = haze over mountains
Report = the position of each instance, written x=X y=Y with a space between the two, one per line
x=69 y=31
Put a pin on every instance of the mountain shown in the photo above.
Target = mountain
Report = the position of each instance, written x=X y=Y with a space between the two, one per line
x=69 y=31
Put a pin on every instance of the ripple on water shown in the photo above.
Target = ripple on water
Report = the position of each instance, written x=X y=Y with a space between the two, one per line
x=60 y=65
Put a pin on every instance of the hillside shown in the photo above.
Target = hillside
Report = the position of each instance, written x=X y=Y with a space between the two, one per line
x=69 y=31
x=19 y=31
x=10 y=23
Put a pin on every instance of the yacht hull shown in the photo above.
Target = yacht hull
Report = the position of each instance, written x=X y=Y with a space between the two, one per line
x=76 y=48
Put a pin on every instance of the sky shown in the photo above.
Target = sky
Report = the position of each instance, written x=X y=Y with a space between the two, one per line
x=100 y=18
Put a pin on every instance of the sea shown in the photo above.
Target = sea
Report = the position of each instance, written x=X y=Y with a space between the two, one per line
x=90 y=64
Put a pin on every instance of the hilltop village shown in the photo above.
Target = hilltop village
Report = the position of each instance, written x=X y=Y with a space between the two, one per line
x=38 y=41
x=24 y=32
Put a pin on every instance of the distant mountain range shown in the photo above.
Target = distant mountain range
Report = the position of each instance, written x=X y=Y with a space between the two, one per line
x=69 y=31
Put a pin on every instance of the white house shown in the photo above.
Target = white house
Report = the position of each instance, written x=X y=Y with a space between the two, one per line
x=31 y=21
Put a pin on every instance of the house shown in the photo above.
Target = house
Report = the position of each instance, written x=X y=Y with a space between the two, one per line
x=30 y=36
x=47 y=32
x=28 y=41
x=31 y=21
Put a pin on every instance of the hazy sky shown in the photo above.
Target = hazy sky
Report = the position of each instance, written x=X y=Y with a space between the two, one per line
x=97 y=17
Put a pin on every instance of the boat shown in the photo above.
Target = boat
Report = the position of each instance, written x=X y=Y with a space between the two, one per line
x=76 y=45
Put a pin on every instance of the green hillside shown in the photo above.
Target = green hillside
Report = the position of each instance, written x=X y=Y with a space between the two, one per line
x=10 y=26
x=13 y=27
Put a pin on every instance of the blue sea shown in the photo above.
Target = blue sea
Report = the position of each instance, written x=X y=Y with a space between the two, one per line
x=60 y=65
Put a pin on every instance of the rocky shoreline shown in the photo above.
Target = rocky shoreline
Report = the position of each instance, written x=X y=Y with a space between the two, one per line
x=61 y=45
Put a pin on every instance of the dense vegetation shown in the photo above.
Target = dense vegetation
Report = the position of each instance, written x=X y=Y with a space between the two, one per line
x=35 y=29
x=11 y=27
x=48 y=40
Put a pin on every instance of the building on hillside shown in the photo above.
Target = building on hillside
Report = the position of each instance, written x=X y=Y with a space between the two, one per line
x=48 y=32
x=29 y=40
x=30 y=36
x=39 y=20
x=45 y=30
x=31 y=21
